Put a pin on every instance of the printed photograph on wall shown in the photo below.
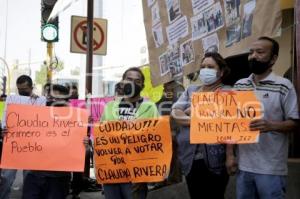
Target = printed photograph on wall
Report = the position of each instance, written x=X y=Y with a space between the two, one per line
x=150 y=2
x=187 y=52
x=232 y=11
x=163 y=64
x=155 y=14
x=178 y=29
x=199 y=28
x=173 y=7
x=233 y=34
x=211 y=43
x=174 y=60
x=199 y=5
x=249 y=8
x=214 y=17
x=157 y=35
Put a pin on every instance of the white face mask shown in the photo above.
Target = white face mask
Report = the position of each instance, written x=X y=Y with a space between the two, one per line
x=208 y=76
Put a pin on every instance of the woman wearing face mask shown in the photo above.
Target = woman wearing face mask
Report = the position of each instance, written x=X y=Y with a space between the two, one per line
x=203 y=165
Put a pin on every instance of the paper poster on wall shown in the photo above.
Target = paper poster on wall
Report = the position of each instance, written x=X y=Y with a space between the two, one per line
x=155 y=14
x=236 y=23
x=179 y=29
x=173 y=10
x=163 y=63
x=232 y=11
x=174 y=62
x=199 y=5
x=233 y=34
x=249 y=8
x=211 y=43
x=199 y=27
x=187 y=52
x=214 y=17
x=158 y=35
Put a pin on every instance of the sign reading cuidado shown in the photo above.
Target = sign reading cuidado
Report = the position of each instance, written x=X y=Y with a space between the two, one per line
x=44 y=138
x=224 y=117
x=132 y=151
x=79 y=35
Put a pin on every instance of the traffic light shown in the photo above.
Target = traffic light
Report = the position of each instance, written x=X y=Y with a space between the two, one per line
x=49 y=30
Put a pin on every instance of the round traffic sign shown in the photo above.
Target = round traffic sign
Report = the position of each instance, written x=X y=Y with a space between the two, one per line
x=81 y=28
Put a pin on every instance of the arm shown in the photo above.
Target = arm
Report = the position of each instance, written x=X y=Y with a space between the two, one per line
x=180 y=117
x=291 y=115
x=268 y=125
x=180 y=111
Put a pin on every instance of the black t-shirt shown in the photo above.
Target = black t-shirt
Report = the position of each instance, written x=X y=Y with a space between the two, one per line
x=127 y=110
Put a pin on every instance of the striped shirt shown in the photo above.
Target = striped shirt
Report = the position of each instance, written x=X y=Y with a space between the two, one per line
x=279 y=102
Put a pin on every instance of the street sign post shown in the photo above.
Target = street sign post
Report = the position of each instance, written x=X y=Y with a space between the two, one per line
x=79 y=35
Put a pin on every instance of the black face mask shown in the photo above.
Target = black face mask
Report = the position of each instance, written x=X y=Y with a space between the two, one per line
x=132 y=89
x=24 y=93
x=258 y=67
x=57 y=103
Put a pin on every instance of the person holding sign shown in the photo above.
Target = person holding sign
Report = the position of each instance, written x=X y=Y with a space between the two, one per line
x=263 y=166
x=50 y=184
x=26 y=96
x=203 y=165
x=129 y=107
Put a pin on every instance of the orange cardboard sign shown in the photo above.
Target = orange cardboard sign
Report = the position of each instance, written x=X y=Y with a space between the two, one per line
x=219 y=117
x=44 y=138
x=133 y=151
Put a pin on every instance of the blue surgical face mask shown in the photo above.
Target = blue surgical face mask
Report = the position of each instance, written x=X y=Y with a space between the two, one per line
x=208 y=76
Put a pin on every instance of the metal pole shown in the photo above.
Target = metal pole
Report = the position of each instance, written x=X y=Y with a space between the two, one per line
x=89 y=55
x=49 y=59
x=89 y=71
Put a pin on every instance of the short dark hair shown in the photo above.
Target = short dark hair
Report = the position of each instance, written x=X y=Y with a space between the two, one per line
x=275 y=45
x=136 y=69
x=64 y=91
x=25 y=78
x=220 y=62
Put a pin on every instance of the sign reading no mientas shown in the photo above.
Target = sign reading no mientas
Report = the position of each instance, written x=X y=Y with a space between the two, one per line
x=79 y=35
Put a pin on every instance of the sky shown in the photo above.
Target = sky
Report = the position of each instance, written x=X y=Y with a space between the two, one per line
x=126 y=34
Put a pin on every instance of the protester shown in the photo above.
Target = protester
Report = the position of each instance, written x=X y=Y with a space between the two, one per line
x=50 y=184
x=263 y=166
x=172 y=91
x=73 y=89
x=25 y=88
x=77 y=182
x=129 y=107
x=46 y=90
x=2 y=99
x=202 y=164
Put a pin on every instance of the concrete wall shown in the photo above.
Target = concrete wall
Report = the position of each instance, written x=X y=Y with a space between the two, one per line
x=285 y=59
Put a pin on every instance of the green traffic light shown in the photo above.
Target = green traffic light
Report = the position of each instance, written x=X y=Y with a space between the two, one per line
x=49 y=33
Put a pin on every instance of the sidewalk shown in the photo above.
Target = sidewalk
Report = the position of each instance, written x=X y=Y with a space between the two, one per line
x=179 y=191
x=16 y=191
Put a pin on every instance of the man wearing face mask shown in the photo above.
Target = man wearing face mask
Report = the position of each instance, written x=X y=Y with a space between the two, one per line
x=25 y=89
x=130 y=106
x=263 y=165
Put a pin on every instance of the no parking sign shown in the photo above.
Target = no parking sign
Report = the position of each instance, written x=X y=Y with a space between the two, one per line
x=79 y=35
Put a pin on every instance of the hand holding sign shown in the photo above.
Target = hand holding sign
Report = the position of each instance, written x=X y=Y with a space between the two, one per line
x=133 y=151
x=47 y=138
x=221 y=117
